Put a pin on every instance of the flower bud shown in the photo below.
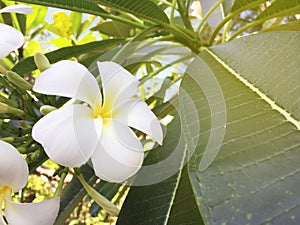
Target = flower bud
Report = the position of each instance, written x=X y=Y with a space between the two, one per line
x=35 y=155
x=22 y=150
x=8 y=139
x=45 y=109
x=41 y=61
x=8 y=102
x=4 y=108
x=17 y=80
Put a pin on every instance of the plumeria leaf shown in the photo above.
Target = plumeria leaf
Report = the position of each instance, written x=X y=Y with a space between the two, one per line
x=241 y=5
x=279 y=8
x=27 y=65
x=145 y=9
x=254 y=178
x=74 y=193
x=79 y=5
x=295 y=25
x=170 y=201
x=114 y=29
x=259 y=155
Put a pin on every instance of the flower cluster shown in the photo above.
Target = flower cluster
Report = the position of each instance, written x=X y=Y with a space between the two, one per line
x=96 y=126
x=13 y=167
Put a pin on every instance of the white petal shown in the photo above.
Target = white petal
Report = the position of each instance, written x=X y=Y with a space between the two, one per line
x=120 y=154
x=137 y=114
x=69 y=79
x=41 y=213
x=23 y=9
x=10 y=39
x=118 y=84
x=69 y=135
x=13 y=167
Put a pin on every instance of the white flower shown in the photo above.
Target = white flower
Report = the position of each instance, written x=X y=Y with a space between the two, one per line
x=13 y=177
x=10 y=38
x=98 y=129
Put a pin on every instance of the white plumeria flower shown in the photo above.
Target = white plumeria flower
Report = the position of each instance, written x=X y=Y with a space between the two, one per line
x=13 y=177
x=98 y=129
x=10 y=38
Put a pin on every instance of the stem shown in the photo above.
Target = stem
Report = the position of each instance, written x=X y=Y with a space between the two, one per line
x=230 y=16
x=244 y=28
x=219 y=27
x=139 y=36
x=164 y=2
x=172 y=12
x=61 y=183
x=98 y=198
x=132 y=17
x=144 y=79
x=226 y=31
x=184 y=36
x=124 y=20
x=184 y=15
x=2 y=69
x=188 y=6
x=210 y=11
x=166 y=108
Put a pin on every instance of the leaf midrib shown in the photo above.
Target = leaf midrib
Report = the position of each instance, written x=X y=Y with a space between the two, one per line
x=176 y=185
x=255 y=89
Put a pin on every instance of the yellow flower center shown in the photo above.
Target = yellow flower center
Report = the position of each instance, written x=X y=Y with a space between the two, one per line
x=102 y=111
x=4 y=192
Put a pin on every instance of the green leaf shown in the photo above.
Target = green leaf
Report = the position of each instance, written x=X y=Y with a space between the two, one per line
x=237 y=7
x=114 y=29
x=184 y=15
x=255 y=177
x=73 y=193
x=244 y=95
x=168 y=202
x=145 y=9
x=27 y=65
x=109 y=190
x=294 y=25
x=76 y=21
x=280 y=8
x=36 y=18
x=22 y=22
x=241 y=5
x=78 y=5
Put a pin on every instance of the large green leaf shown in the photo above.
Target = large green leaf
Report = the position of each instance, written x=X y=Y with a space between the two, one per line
x=83 y=6
x=27 y=65
x=170 y=201
x=241 y=5
x=73 y=194
x=280 y=8
x=145 y=9
x=294 y=25
x=255 y=177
